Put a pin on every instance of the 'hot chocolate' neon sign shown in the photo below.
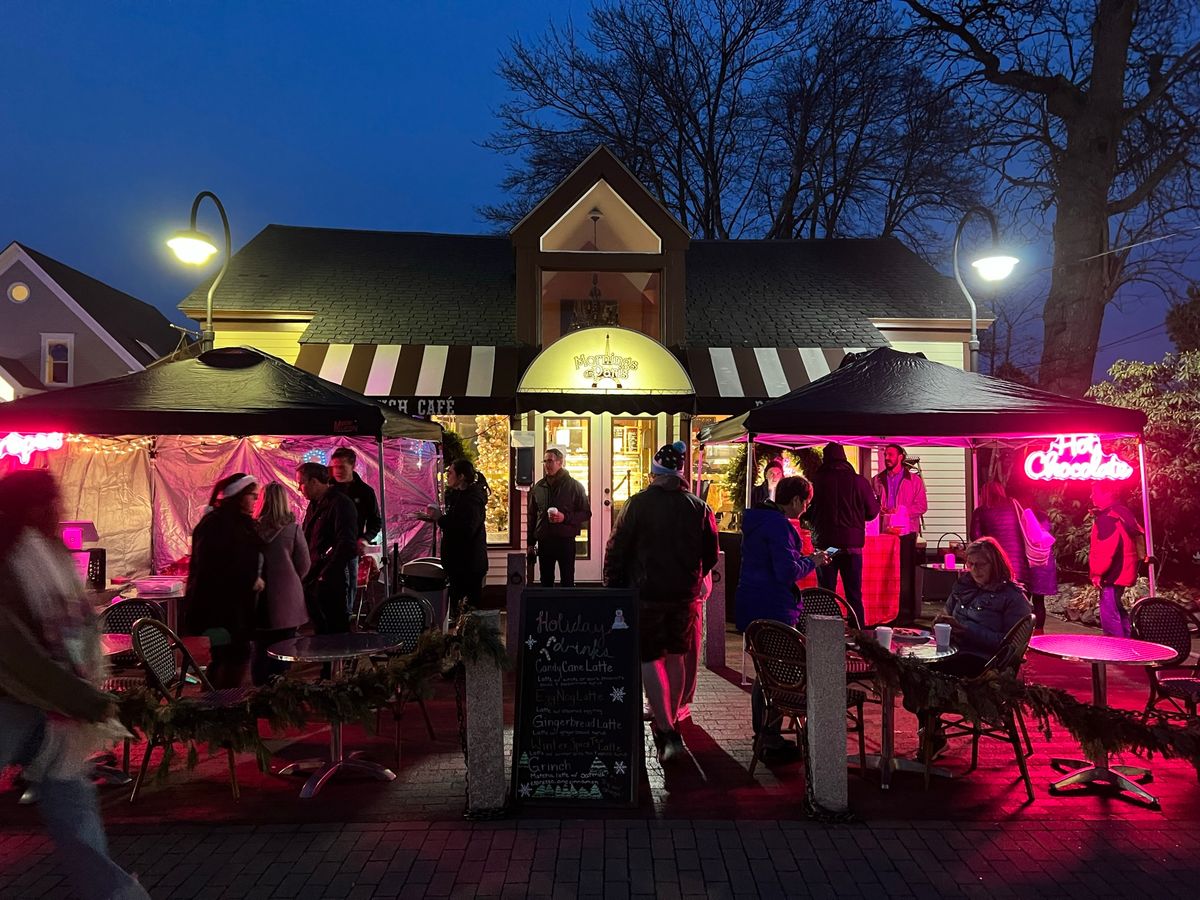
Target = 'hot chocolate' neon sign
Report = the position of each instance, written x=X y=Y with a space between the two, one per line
x=23 y=446
x=1076 y=457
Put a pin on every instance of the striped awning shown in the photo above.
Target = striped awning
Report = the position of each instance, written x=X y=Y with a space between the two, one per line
x=421 y=379
x=732 y=380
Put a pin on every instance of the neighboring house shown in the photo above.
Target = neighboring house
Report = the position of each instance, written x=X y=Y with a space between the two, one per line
x=60 y=327
x=597 y=324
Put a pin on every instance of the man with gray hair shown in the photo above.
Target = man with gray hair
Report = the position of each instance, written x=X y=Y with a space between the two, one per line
x=558 y=510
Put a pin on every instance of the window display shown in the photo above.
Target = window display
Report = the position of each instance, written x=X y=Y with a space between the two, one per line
x=485 y=438
x=633 y=446
x=573 y=438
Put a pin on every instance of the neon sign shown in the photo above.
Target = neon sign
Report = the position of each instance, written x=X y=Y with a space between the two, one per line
x=1076 y=457
x=23 y=446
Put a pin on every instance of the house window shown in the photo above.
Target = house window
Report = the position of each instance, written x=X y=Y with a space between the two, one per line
x=58 y=352
x=485 y=439
x=583 y=299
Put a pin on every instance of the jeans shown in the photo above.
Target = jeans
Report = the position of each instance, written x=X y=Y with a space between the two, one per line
x=1114 y=618
x=849 y=563
x=559 y=550
x=70 y=811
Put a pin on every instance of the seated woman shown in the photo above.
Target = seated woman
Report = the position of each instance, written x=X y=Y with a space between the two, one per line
x=984 y=605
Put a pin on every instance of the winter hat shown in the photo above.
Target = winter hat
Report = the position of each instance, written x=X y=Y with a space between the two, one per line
x=669 y=460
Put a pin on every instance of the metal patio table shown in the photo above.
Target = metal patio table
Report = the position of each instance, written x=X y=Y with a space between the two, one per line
x=334 y=649
x=1102 y=651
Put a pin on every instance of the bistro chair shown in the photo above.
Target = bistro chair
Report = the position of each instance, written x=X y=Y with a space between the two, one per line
x=404 y=618
x=779 y=657
x=1008 y=725
x=822 y=602
x=126 y=673
x=169 y=666
x=1164 y=622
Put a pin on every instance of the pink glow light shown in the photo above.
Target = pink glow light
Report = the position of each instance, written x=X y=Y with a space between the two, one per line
x=1076 y=457
x=23 y=446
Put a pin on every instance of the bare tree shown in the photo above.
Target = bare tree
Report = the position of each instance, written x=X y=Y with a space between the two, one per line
x=1093 y=109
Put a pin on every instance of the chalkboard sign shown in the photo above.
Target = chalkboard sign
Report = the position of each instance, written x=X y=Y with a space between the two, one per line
x=578 y=736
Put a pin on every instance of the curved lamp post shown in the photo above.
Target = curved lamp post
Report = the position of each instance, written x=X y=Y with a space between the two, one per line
x=196 y=248
x=995 y=267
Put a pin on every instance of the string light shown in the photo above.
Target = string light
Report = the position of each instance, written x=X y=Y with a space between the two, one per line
x=316 y=456
x=110 y=446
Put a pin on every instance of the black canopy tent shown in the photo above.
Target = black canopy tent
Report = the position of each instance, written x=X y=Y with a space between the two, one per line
x=885 y=395
x=237 y=391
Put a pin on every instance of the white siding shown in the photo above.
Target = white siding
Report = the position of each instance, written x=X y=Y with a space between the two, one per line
x=943 y=468
x=284 y=344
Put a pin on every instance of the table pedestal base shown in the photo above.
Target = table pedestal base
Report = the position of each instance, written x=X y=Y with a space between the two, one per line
x=1120 y=777
x=323 y=770
x=898 y=764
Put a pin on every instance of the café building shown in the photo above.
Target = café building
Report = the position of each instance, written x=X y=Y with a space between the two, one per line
x=597 y=325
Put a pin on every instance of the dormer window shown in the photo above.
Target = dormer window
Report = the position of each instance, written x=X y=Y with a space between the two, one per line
x=58 y=354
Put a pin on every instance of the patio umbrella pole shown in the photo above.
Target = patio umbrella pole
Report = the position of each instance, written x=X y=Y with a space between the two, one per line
x=1150 y=574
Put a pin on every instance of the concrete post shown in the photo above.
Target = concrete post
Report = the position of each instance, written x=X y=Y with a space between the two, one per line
x=486 y=784
x=826 y=725
x=714 y=617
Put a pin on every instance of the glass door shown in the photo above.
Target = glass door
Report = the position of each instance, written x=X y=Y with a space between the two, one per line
x=630 y=443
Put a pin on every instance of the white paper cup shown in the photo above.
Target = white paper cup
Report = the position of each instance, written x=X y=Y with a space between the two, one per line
x=552 y=511
x=941 y=633
x=883 y=634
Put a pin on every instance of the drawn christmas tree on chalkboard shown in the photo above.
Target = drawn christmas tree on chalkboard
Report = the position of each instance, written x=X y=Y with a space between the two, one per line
x=598 y=769
x=594 y=793
x=524 y=760
x=544 y=790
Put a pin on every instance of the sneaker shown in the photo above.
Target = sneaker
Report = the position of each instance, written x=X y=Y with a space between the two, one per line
x=669 y=744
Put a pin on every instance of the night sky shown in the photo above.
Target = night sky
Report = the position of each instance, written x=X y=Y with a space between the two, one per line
x=358 y=115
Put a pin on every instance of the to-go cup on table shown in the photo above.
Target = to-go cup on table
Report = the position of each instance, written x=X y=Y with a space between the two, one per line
x=883 y=634
x=941 y=634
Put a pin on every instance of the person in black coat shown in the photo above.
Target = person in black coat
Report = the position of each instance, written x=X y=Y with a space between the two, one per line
x=843 y=502
x=464 y=533
x=331 y=529
x=225 y=579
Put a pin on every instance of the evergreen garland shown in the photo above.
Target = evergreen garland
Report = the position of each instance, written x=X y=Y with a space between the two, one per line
x=288 y=703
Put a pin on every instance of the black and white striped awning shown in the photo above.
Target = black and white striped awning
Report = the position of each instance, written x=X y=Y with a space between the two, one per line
x=732 y=380
x=421 y=379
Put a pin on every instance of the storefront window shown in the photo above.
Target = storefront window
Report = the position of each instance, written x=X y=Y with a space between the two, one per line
x=717 y=460
x=574 y=300
x=573 y=438
x=485 y=439
x=633 y=446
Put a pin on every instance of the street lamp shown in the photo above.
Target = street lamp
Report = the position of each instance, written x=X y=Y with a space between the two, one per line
x=995 y=267
x=196 y=248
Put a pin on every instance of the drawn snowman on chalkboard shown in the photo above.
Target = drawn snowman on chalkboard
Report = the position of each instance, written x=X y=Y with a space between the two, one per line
x=619 y=620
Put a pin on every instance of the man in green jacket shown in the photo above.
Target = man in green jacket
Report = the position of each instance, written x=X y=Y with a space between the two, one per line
x=558 y=510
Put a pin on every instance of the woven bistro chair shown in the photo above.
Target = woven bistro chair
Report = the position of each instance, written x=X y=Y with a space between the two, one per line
x=403 y=617
x=780 y=657
x=126 y=673
x=1163 y=622
x=821 y=602
x=1009 y=725
x=169 y=666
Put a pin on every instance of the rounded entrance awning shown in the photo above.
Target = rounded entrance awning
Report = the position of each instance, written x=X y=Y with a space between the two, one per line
x=606 y=370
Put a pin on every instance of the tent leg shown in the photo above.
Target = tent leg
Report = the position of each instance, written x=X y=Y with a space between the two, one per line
x=751 y=471
x=383 y=510
x=439 y=480
x=1151 y=575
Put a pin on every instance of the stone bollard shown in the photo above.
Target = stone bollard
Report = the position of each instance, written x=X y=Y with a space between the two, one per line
x=486 y=784
x=515 y=582
x=825 y=639
x=714 y=617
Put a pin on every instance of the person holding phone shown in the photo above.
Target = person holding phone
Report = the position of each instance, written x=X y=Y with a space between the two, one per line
x=843 y=502
x=772 y=562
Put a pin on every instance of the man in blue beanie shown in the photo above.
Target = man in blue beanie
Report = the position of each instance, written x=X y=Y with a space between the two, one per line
x=663 y=544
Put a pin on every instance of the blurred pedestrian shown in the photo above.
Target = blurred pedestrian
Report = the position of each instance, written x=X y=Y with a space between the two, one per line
x=1113 y=555
x=51 y=705
x=225 y=579
x=281 y=608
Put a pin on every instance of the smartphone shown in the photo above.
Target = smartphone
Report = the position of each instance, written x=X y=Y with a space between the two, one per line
x=832 y=550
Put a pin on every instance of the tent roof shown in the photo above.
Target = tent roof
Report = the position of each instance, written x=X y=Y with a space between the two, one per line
x=235 y=391
x=886 y=395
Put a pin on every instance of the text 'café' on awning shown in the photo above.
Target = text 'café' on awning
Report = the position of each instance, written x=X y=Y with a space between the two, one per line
x=597 y=325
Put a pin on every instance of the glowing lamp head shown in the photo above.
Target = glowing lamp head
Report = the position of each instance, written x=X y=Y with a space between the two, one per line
x=192 y=247
x=995 y=268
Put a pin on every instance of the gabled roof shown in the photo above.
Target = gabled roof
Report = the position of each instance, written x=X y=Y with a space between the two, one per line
x=18 y=372
x=143 y=331
x=384 y=287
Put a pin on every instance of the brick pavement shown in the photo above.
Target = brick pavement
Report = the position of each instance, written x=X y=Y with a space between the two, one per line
x=702 y=827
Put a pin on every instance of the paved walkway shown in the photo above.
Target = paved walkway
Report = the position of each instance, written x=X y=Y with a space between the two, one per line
x=702 y=827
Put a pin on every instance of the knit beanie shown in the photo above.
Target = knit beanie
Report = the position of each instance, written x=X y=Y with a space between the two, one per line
x=670 y=459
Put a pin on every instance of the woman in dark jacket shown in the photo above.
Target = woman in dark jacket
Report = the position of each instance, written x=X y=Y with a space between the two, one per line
x=997 y=518
x=225 y=579
x=464 y=533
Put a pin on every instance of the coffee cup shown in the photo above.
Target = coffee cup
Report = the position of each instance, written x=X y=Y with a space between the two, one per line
x=941 y=633
x=552 y=511
x=883 y=634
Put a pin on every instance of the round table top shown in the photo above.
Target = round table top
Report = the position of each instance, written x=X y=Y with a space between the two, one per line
x=112 y=644
x=927 y=651
x=1098 y=648
x=330 y=647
